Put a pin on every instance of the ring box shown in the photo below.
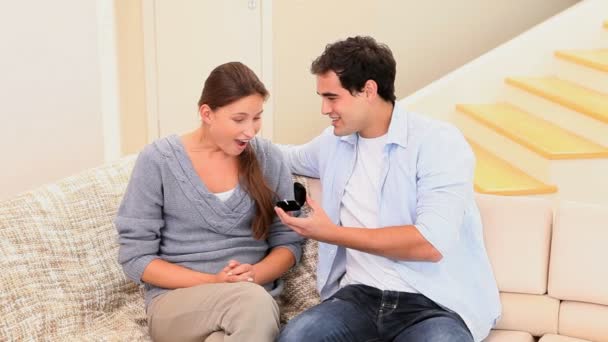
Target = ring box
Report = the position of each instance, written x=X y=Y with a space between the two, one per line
x=299 y=192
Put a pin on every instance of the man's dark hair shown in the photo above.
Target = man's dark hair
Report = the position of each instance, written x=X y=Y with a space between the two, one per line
x=356 y=60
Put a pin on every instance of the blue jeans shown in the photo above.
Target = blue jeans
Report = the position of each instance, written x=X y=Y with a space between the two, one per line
x=364 y=313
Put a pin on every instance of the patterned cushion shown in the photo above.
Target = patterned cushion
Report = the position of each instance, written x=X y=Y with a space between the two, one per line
x=60 y=277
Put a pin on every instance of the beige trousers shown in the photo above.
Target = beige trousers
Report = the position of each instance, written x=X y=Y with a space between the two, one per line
x=214 y=312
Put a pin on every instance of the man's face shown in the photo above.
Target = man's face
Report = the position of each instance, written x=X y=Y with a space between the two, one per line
x=348 y=113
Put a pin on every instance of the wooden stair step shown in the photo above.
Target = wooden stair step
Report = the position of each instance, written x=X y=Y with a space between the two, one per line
x=540 y=136
x=568 y=94
x=596 y=59
x=496 y=176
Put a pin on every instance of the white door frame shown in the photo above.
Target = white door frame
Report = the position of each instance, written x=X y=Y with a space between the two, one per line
x=108 y=76
x=267 y=65
x=151 y=67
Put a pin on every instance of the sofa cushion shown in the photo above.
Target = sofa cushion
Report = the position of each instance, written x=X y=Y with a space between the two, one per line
x=509 y=336
x=58 y=255
x=578 y=253
x=517 y=232
x=583 y=320
x=559 y=338
x=536 y=314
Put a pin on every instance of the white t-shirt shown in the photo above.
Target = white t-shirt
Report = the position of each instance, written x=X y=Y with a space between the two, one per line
x=223 y=196
x=360 y=208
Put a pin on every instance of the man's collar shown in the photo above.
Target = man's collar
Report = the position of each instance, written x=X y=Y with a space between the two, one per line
x=397 y=129
x=351 y=139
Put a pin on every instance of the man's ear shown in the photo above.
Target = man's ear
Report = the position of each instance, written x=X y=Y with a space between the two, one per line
x=370 y=88
x=205 y=113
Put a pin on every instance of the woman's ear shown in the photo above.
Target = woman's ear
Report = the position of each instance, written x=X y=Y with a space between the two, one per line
x=205 y=113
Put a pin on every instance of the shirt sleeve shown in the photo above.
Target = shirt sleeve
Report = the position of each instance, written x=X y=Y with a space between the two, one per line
x=279 y=234
x=304 y=159
x=445 y=170
x=140 y=216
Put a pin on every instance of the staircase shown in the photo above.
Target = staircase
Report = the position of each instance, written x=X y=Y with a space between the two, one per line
x=538 y=125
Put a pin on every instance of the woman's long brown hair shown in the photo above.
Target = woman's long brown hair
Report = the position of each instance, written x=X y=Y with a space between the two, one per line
x=226 y=84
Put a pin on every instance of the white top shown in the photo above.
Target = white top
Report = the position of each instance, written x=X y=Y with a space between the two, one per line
x=360 y=208
x=223 y=196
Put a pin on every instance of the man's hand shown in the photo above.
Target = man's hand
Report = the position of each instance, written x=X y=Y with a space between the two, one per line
x=316 y=226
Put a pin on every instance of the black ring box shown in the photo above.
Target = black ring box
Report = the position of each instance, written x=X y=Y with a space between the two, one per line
x=299 y=192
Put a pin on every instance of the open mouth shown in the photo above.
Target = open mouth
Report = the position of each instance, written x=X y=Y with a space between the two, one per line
x=242 y=143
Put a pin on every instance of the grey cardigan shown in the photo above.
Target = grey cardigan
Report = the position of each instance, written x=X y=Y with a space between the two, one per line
x=168 y=213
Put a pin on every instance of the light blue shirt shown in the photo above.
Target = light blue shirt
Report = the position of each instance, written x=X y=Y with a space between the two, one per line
x=426 y=181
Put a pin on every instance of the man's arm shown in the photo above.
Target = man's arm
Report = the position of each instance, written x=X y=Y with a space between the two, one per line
x=304 y=159
x=398 y=242
x=445 y=176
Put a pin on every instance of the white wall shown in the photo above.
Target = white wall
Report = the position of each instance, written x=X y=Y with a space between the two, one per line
x=50 y=93
x=51 y=96
x=428 y=38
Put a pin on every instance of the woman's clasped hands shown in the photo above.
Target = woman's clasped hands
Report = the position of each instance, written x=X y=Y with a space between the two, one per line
x=236 y=272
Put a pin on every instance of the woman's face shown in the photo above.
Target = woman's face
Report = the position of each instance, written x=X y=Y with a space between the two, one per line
x=232 y=126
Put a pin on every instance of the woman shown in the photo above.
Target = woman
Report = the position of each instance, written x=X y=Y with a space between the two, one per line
x=197 y=225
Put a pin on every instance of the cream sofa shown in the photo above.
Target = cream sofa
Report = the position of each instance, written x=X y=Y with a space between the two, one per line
x=550 y=268
x=60 y=280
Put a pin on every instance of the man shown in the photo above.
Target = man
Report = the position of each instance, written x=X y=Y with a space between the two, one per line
x=401 y=254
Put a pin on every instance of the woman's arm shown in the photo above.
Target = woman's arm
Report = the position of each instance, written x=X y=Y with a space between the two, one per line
x=140 y=216
x=170 y=276
x=164 y=274
x=269 y=269
x=274 y=265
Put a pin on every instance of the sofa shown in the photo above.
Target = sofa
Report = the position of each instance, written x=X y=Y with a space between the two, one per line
x=60 y=279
